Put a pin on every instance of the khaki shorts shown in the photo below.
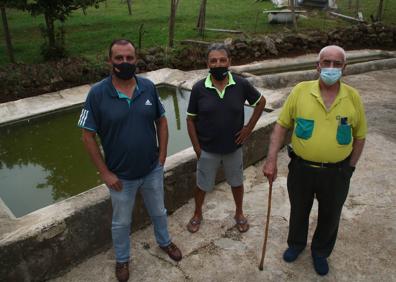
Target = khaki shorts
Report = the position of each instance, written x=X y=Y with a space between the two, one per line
x=209 y=163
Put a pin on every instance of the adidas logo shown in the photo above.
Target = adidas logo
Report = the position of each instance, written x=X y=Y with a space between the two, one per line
x=148 y=103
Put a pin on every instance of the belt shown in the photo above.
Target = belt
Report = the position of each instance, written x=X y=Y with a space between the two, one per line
x=293 y=155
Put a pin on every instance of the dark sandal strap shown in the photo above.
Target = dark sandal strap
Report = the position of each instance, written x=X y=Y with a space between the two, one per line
x=195 y=222
x=241 y=221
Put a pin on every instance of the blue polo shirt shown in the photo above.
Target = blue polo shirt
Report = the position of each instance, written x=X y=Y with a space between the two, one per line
x=125 y=126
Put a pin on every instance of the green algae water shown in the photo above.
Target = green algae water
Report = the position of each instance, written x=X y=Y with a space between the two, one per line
x=43 y=160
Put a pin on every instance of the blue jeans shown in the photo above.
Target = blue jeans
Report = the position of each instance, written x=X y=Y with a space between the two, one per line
x=151 y=187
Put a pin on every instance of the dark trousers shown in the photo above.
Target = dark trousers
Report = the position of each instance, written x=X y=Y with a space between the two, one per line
x=330 y=187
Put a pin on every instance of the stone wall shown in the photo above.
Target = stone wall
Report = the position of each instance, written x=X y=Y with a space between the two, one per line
x=248 y=49
x=31 y=80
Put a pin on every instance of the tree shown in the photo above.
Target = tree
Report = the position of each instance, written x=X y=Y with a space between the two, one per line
x=56 y=10
x=172 y=19
x=19 y=4
x=293 y=12
x=380 y=11
x=129 y=2
x=201 y=18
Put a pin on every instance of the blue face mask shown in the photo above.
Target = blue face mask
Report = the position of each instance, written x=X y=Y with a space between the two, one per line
x=330 y=75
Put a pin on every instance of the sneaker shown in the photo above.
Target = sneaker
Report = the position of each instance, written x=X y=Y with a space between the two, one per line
x=122 y=271
x=291 y=254
x=320 y=264
x=173 y=252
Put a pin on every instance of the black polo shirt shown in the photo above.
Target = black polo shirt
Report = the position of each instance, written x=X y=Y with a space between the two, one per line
x=219 y=116
x=125 y=126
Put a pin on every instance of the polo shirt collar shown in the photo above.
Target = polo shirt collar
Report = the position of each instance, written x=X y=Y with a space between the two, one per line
x=209 y=84
x=315 y=91
x=138 y=90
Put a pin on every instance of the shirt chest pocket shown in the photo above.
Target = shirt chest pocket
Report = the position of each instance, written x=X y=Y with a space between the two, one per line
x=344 y=134
x=304 y=128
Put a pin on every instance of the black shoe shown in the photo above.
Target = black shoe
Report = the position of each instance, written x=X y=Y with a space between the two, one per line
x=320 y=264
x=291 y=254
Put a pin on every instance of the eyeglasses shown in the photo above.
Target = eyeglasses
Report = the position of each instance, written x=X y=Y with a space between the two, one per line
x=330 y=63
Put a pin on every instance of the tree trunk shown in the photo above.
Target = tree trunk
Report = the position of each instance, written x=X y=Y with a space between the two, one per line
x=380 y=10
x=129 y=2
x=293 y=14
x=172 y=20
x=141 y=32
x=7 y=35
x=49 y=21
x=202 y=18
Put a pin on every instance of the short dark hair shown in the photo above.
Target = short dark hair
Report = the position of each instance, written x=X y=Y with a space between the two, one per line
x=218 y=47
x=121 y=41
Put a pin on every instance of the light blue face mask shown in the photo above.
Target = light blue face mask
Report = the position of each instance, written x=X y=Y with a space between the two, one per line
x=330 y=75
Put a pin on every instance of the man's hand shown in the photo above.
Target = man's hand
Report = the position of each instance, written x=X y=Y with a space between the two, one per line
x=197 y=150
x=270 y=170
x=162 y=159
x=243 y=135
x=112 y=181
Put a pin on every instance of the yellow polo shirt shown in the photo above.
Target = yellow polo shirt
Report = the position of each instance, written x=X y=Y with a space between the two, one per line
x=321 y=134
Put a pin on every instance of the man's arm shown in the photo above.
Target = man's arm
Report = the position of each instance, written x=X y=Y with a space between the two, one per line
x=192 y=132
x=93 y=150
x=357 y=146
x=247 y=129
x=163 y=135
x=270 y=168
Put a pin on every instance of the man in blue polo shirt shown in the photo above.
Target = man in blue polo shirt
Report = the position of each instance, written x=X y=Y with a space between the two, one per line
x=215 y=122
x=126 y=113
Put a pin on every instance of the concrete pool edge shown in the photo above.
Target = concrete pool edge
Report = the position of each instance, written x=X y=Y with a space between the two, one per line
x=49 y=241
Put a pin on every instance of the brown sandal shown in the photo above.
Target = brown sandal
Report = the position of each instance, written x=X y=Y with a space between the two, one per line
x=193 y=225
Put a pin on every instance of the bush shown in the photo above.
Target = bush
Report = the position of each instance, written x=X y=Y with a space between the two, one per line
x=19 y=81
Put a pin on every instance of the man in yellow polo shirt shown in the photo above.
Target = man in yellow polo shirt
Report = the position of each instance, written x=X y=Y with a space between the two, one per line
x=329 y=128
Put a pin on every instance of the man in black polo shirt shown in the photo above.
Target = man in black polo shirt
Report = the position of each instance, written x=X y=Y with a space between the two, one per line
x=215 y=122
x=126 y=113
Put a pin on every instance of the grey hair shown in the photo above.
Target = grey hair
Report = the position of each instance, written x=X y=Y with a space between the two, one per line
x=324 y=49
x=218 y=47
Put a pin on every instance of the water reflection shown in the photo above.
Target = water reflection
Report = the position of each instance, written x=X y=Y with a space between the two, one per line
x=43 y=160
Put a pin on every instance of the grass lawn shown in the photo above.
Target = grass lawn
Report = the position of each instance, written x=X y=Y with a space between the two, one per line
x=89 y=35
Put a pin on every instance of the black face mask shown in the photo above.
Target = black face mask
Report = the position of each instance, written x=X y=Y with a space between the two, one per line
x=124 y=71
x=219 y=73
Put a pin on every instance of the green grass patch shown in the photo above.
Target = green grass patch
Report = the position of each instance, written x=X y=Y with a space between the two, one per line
x=89 y=35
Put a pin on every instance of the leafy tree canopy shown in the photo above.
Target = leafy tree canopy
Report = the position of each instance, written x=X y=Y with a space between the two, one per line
x=58 y=9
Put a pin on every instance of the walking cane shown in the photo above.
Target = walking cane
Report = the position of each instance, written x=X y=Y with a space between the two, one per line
x=266 y=225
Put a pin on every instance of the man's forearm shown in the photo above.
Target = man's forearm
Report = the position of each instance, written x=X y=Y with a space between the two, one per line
x=163 y=136
x=358 y=145
x=276 y=141
x=258 y=110
x=192 y=132
x=93 y=150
